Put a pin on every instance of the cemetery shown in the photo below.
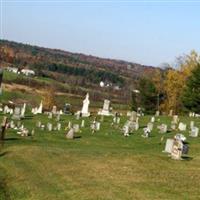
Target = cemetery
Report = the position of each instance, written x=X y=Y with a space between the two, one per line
x=49 y=154
x=99 y=100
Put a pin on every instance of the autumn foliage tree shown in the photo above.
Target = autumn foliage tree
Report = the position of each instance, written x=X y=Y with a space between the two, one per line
x=48 y=97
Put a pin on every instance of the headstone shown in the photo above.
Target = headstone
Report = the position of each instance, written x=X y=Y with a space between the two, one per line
x=76 y=128
x=5 y=110
x=58 y=126
x=182 y=126
x=169 y=145
x=133 y=116
x=194 y=132
x=86 y=103
x=191 y=124
x=39 y=110
x=98 y=124
x=38 y=124
x=70 y=134
x=150 y=126
x=69 y=125
x=173 y=125
x=162 y=128
x=54 y=110
x=58 y=117
x=12 y=124
x=106 y=109
x=49 y=127
x=157 y=113
x=50 y=116
x=23 y=110
x=175 y=119
x=152 y=119
x=177 y=148
x=16 y=114
x=146 y=133
x=83 y=123
x=67 y=108
x=126 y=130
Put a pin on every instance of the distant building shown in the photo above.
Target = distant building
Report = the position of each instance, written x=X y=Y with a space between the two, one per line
x=13 y=70
x=102 y=84
x=28 y=72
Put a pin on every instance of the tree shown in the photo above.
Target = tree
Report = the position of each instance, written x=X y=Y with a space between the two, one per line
x=191 y=93
x=48 y=96
x=148 y=95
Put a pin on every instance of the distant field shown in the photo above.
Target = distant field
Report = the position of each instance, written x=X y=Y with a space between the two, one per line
x=17 y=88
x=103 y=166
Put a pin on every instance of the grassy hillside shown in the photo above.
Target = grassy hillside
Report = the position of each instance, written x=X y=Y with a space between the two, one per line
x=78 y=71
x=103 y=166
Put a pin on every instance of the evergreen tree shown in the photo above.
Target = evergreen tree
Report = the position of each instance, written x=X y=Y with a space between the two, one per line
x=191 y=94
x=148 y=95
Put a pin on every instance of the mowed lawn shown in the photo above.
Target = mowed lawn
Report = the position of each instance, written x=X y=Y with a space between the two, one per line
x=103 y=166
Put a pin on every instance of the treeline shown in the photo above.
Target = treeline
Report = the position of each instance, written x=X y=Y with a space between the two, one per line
x=175 y=89
x=92 y=75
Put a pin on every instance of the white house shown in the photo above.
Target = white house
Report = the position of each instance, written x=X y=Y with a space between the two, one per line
x=12 y=69
x=28 y=72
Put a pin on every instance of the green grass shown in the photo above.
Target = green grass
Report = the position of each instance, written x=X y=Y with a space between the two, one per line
x=101 y=166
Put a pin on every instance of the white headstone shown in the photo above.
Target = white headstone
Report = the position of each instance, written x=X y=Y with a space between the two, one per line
x=85 y=108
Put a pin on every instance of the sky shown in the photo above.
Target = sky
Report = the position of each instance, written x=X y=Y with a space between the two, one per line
x=145 y=32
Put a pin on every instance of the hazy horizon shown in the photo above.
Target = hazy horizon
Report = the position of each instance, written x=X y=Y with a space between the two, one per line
x=148 y=33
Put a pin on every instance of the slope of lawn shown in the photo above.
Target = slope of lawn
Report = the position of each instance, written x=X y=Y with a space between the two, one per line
x=104 y=166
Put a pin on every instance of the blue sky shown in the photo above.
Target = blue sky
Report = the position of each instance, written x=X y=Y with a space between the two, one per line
x=148 y=32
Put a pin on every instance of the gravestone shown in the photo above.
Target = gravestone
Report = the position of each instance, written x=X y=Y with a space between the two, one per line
x=175 y=119
x=69 y=125
x=83 y=123
x=177 y=148
x=146 y=133
x=169 y=145
x=106 y=109
x=98 y=124
x=157 y=113
x=70 y=134
x=150 y=126
x=85 y=108
x=173 y=125
x=126 y=130
x=50 y=115
x=182 y=126
x=58 y=126
x=38 y=124
x=162 y=128
x=54 y=110
x=49 y=127
x=76 y=128
x=16 y=114
x=191 y=124
x=67 y=108
x=194 y=132
x=23 y=110
x=133 y=116
x=152 y=119
x=39 y=110
x=58 y=117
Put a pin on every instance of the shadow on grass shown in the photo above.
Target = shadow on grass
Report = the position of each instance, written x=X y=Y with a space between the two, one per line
x=4 y=153
x=77 y=137
x=186 y=158
x=11 y=139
